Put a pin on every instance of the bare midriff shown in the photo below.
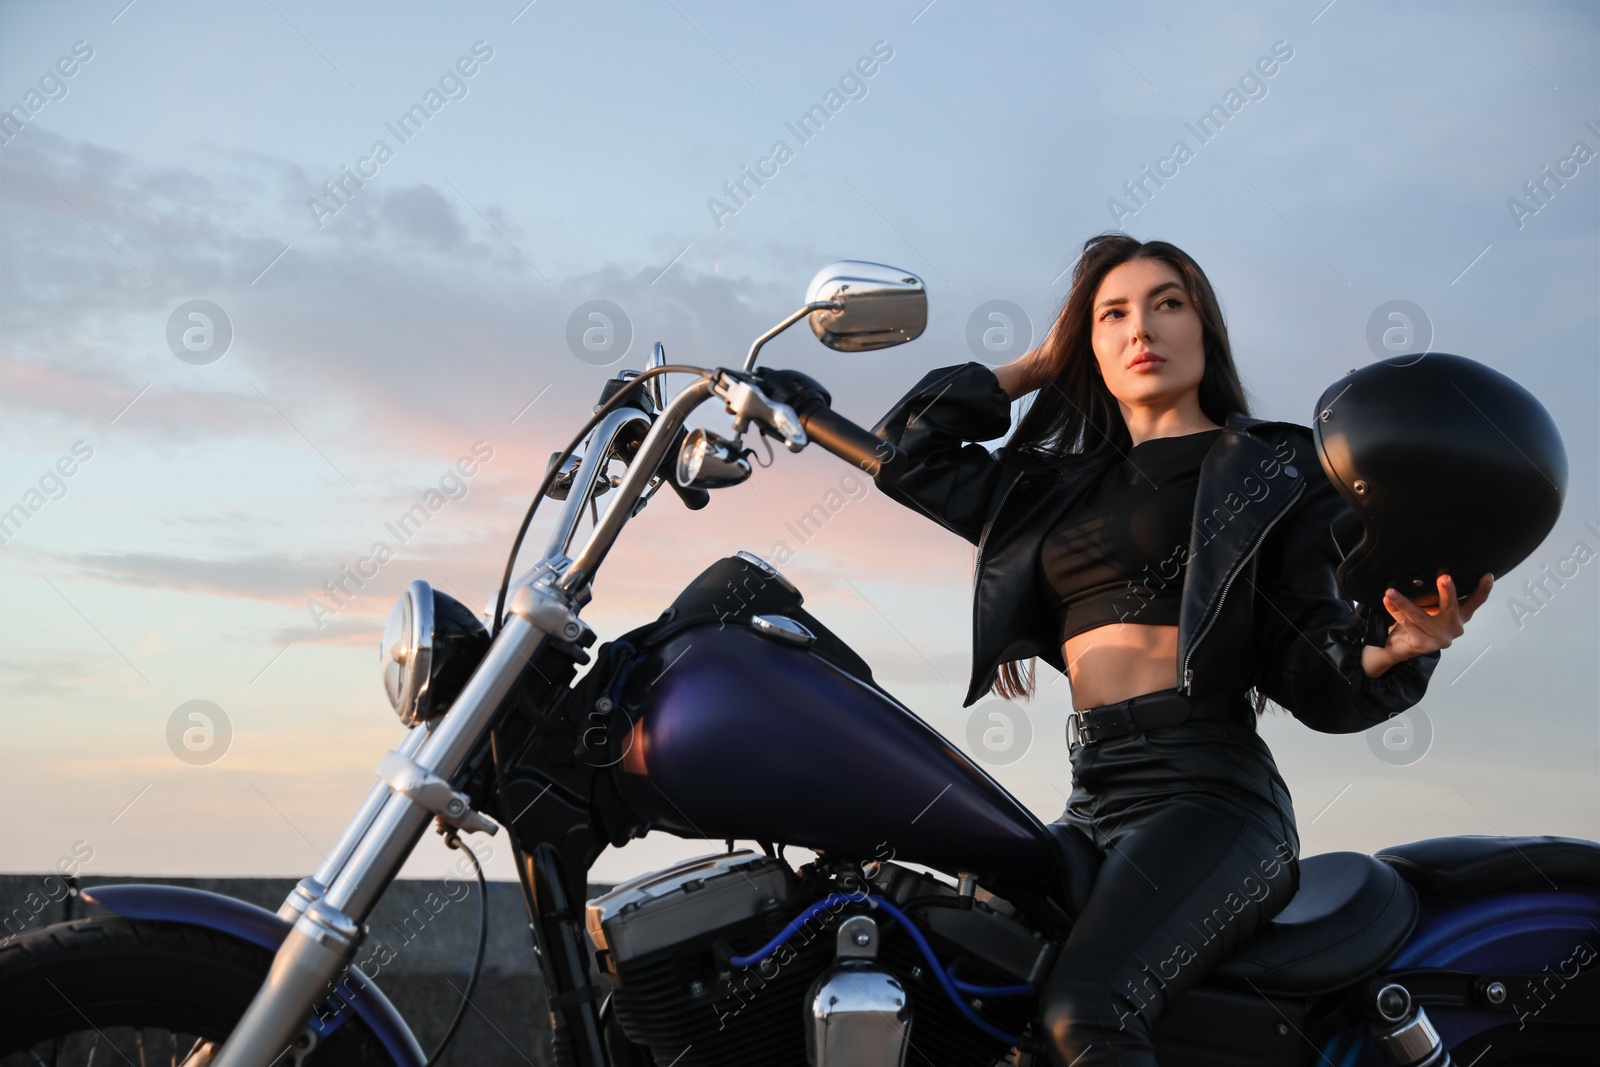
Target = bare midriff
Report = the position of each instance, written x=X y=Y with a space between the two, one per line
x=1120 y=660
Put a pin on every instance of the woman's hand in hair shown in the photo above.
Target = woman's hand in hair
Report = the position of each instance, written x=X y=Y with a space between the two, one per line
x=1418 y=630
x=1022 y=375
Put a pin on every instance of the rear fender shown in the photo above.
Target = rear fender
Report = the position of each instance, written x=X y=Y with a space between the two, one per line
x=1548 y=936
x=213 y=911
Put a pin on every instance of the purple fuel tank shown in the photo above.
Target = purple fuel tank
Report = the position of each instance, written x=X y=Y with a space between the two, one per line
x=736 y=735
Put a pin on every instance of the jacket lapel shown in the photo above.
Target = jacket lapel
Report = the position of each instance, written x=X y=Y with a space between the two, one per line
x=1243 y=488
x=1006 y=611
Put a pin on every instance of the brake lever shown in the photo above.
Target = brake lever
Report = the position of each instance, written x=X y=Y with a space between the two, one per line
x=748 y=404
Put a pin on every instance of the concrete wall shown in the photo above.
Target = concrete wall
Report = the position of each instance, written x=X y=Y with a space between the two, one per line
x=430 y=929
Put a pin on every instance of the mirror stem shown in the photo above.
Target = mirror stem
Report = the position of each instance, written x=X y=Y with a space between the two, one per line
x=817 y=305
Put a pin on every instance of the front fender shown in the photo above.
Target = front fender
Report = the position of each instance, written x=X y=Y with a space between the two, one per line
x=213 y=911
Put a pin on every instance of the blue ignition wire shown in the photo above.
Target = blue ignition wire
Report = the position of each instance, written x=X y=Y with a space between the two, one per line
x=952 y=987
x=991 y=990
x=794 y=927
x=945 y=981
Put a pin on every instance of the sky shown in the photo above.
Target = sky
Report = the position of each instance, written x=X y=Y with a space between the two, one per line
x=239 y=339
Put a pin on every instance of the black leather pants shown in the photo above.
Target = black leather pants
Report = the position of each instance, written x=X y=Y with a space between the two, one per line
x=1201 y=851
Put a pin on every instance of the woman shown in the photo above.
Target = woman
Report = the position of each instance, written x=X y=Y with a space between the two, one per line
x=1175 y=558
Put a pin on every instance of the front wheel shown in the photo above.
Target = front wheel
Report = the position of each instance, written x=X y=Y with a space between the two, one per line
x=84 y=992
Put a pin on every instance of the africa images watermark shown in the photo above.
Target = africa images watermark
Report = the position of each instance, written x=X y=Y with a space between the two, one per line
x=52 y=890
x=199 y=732
x=452 y=85
x=1250 y=891
x=452 y=485
x=383 y=950
x=742 y=991
x=52 y=485
x=804 y=528
x=1582 y=956
x=52 y=86
x=852 y=85
x=1252 y=86
x=1542 y=189
x=999 y=733
x=1547 y=586
x=1206 y=530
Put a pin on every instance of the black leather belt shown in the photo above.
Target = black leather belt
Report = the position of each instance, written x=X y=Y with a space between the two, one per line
x=1151 y=711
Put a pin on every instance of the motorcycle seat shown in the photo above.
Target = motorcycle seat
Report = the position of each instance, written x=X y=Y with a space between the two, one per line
x=1350 y=915
x=1470 y=865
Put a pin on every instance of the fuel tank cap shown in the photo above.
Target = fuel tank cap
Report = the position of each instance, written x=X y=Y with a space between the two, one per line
x=771 y=573
x=782 y=629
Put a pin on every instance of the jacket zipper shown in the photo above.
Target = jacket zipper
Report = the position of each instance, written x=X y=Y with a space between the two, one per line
x=977 y=561
x=1188 y=672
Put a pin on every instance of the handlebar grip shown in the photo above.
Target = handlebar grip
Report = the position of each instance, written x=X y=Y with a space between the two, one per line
x=837 y=434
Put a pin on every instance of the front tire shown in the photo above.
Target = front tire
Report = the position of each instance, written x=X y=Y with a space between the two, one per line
x=154 y=991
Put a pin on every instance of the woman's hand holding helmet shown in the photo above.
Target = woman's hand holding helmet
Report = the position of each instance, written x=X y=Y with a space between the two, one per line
x=1418 y=630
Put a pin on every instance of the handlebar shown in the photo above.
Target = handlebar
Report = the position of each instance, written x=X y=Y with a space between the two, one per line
x=835 y=433
x=855 y=445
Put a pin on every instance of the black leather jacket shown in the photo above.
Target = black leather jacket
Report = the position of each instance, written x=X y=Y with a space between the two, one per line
x=1260 y=603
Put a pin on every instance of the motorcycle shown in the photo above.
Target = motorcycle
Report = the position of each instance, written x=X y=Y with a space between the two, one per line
x=738 y=716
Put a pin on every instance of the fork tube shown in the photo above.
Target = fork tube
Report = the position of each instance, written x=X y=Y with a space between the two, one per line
x=376 y=858
x=325 y=936
x=640 y=471
x=591 y=465
x=309 y=889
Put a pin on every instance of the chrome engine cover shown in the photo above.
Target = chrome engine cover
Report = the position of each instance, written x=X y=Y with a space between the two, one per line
x=860 y=1014
x=685 y=901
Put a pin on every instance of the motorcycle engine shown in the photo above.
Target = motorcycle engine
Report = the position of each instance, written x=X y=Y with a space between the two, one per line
x=664 y=940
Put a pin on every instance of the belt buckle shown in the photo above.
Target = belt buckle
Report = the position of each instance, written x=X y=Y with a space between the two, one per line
x=1080 y=733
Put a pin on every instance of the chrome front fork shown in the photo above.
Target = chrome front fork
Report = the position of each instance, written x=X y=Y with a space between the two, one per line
x=330 y=908
x=315 y=886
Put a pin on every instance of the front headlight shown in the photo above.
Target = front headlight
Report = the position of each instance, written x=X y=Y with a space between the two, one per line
x=431 y=645
x=406 y=651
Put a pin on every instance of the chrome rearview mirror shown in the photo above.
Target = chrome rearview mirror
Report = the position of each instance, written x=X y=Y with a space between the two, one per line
x=877 y=306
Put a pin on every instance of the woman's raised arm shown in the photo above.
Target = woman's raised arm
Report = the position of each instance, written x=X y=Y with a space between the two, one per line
x=1025 y=373
x=940 y=469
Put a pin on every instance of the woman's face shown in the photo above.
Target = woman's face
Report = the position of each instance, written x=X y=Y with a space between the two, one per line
x=1147 y=335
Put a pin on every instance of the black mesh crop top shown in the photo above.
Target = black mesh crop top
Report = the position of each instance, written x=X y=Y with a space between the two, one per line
x=1120 y=554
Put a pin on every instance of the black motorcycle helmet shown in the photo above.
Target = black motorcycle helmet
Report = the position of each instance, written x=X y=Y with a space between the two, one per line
x=1449 y=467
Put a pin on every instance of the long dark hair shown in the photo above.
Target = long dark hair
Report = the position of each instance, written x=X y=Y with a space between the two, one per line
x=1074 y=413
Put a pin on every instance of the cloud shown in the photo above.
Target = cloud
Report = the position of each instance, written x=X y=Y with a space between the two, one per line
x=62 y=677
x=405 y=320
x=419 y=213
x=272 y=578
x=360 y=630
